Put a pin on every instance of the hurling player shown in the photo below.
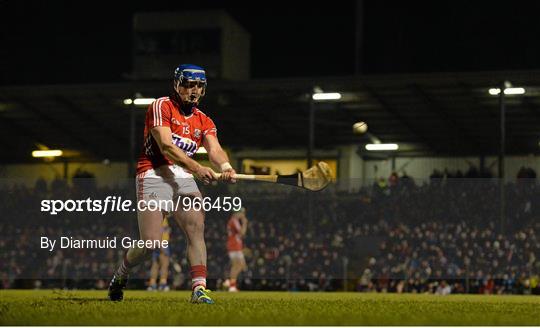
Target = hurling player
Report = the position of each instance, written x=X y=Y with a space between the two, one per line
x=175 y=128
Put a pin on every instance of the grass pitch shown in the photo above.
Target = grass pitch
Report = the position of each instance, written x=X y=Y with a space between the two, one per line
x=54 y=307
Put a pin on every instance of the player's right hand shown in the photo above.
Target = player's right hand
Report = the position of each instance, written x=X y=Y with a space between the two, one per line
x=205 y=174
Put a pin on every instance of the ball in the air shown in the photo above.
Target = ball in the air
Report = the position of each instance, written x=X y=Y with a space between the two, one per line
x=359 y=127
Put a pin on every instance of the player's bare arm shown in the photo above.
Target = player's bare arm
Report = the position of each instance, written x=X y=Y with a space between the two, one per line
x=219 y=158
x=163 y=137
x=244 y=220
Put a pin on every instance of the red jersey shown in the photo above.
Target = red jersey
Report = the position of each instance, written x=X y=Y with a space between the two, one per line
x=234 y=235
x=187 y=132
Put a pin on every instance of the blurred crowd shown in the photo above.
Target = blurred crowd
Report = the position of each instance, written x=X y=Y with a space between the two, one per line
x=446 y=235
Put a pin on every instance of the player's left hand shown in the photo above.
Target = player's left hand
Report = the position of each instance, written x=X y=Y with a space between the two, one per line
x=228 y=176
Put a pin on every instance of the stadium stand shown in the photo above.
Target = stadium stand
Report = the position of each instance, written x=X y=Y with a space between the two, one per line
x=441 y=236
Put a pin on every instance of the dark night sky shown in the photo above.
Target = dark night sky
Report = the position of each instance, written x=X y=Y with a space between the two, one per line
x=46 y=42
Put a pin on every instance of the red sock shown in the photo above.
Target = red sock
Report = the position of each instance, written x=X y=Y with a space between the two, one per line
x=198 y=276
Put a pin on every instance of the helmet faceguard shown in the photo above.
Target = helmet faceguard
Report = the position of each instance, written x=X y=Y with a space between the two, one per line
x=189 y=76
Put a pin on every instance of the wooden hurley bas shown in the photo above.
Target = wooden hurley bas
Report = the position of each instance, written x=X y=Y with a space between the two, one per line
x=315 y=178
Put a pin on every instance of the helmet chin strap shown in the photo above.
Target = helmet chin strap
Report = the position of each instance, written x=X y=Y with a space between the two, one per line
x=187 y=107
